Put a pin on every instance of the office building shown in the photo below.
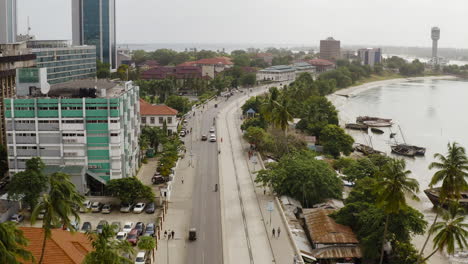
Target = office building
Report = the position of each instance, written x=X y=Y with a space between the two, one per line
x=63 y=61
x=12 y=56
x=277 y=73
x=370 y=56
x=90 y=123
x=93 y=23
x=330 y=49
x=8 y=21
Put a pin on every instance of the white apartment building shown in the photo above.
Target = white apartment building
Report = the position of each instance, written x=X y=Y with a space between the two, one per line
x=156 y=115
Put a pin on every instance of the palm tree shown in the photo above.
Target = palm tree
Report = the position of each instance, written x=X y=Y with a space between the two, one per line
x=12 y=243
x=147 y=244
x=281 y=116
x=107 y=249
x=270 y=104
x=452 y=172
x=393 y=186
x=451 y=231
x=59 y=204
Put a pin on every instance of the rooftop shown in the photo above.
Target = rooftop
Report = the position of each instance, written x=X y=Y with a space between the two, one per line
x=324 y=230
x=209 y=61
x=320 y=62
x=63 y=247
x=278 y=68
x=102 y=88
x=152 y=110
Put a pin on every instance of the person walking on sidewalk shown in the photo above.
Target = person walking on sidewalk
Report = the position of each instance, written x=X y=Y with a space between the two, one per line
x=165 y=234
x=273 y=232
x=279 y=231
x=172 y=233
x=169 y=235
x=182 y=180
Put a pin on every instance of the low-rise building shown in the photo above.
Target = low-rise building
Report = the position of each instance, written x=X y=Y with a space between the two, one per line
x=278 y=73
x=90 y=123
x=211 y=66
x=266 y=57
x=157 y=115
x=148 y=64
x=63 y=61
x=302 y=67
x=322 y=65
x=177 y=72
x=370 y=56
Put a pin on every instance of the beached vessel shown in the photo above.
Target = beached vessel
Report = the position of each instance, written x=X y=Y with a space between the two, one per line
x=378 y=123
x=356 y=126
x=433 y=195
x=403 y=150
x=366 y=150
x=376 y=130
x=361 y=119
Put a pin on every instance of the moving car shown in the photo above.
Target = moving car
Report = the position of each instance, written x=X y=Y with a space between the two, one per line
x=212 y=138
x=192 y=234
x=132 y=237
x=17 y=218
x=140 y=227
x=149 y=231
x=204 y=138
x=139 y=207
x=182 y=133
x=101 y=225
x=96 y=207
x=85 y=207
x=121 y=236
x=150 y=208
x=86 y=227
x=212 y=130
x=127 y=227
x=140 y=258
x=126 y=207
x=106 y=208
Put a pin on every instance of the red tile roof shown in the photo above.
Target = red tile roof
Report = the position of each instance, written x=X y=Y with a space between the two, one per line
x=320 y=62
x=209 y=61
x=63 y=247
x=147 y=109
x=179 y=72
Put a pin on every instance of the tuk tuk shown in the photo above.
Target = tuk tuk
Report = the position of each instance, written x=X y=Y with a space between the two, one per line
x=192 y=234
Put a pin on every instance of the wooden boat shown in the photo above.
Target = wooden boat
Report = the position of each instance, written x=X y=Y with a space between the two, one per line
x=377 y=123
x=403 y=150
x=356 y=126
x=376 y=130
x=433 y=195
x=361 y=119
x=366 y=150
x=420 y=151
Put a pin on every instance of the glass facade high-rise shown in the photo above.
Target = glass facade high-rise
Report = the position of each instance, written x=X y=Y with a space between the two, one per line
x=8 y=21
x=94 y=24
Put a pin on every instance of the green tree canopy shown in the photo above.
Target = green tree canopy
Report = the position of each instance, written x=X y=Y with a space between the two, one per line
x=179 y=103
x=129 y=190
x=12 y=244
x=335 y=140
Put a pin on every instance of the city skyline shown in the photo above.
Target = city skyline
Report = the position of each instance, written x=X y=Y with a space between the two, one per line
x=392 y=23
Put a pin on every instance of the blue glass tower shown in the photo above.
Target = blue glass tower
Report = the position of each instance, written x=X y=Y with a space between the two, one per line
x=94 y=24
x=8 y=21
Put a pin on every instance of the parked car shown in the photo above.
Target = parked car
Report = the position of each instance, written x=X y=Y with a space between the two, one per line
x=140 y=258
x=101 y=225
x=139 y=207
x=116 y=225
x=86 y=227
x=17 y=218
x=182 y=133
x=132 y=237
x=212 y=130
x=127 y=227
x=140 y=227
x=158 y=179
x=85 y=207
x=150 y=208
x=96 y=207
x=204 y=138
x=212 y=138
x=126 y=207
x=41 y=214
x=149 y=231
x=106 y=208
x=121 y=236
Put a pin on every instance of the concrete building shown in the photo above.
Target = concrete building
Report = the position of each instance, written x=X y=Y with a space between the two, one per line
x=211 y=66
x=8 y=21
x=63 y=61
x=156 y=115
x=435 y=36
x=12 y=56
x=370 y=56
x=177 y=72
x=330 y=49
x=90 y=123
x=278 y=73
x=322 y=65
x=93 y=23
x=302 y=67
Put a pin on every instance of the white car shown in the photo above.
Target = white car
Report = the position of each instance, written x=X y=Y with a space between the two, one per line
x=140 y=258
x=212 y=130
x=86 y=206
x=121 y=236
x=127 y=227
x=212 y=138
x=139 y=207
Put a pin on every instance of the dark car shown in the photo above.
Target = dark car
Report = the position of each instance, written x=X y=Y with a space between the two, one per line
x=149 y=231
x=101 y=225
x=158 y=179
x=86 y=227
x=204 y=138
x=150 y=208
x=140 y=227
x=132 y=237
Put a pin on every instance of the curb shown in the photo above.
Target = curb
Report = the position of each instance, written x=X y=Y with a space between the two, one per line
x=221 y=194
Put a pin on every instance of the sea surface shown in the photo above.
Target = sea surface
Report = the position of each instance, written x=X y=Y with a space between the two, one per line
x=427 y=113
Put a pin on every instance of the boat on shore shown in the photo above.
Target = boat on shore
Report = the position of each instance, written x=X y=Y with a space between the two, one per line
x=366 y=150
x=377 y=123
x=361 y=119
x=356 y=126
x=376 y=130
x=433 y=195
x=403 y=150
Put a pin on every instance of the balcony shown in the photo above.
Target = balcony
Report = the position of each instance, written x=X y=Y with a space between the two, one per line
x=49 y=139
x=48 y=127
x=26 y=152
x=25 y=127
x=25 y=140
x=49 y=153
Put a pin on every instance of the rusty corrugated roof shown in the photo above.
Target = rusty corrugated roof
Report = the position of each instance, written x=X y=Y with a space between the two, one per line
x=333 y=252
x=324 y=230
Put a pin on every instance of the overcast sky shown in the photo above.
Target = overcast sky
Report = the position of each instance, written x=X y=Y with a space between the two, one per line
x=304 y=22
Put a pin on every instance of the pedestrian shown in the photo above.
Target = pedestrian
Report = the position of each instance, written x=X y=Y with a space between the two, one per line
x=165 y=234
x=169 y=235
x=279 y=231
x=221 y=140
x=182 y=180
x=273 y=232
x=264 y=191
x=172 y=233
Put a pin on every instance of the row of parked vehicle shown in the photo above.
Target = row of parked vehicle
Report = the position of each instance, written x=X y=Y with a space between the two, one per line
x=98 y=207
